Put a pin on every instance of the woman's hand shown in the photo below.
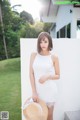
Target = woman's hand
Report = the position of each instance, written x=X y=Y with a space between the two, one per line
x=35 y=97
x=43 y=79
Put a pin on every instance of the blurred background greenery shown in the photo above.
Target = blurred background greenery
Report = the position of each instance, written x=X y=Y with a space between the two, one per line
x=13 y=26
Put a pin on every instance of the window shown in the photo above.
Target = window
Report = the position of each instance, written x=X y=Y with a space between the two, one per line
x=62 y=32
x=78 y=29
x=58 y=34
x=78 y=24
x=66 y=31
x=69 y=30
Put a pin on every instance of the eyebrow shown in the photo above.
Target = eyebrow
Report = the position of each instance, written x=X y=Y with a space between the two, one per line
x=44 y=39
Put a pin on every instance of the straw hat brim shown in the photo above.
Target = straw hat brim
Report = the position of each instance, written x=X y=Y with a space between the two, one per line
x=36 y=111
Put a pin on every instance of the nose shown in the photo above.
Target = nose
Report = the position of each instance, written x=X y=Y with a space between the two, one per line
x=43 y=44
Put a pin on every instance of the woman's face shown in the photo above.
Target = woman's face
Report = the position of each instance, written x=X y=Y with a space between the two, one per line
x=44 y=44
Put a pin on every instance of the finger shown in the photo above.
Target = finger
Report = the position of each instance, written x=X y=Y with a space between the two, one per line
x=37 y=100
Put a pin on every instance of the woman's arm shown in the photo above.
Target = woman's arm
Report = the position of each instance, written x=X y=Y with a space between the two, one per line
x=32 y=79
x=31 y=74
x=56 y=67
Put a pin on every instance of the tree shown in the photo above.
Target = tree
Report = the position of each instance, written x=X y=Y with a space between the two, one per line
x=26 y=17
x=10 y=25
x=39 y=26
x=4 y=41
x=47 y=26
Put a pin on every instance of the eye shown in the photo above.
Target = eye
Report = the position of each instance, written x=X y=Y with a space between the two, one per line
x=45 y=41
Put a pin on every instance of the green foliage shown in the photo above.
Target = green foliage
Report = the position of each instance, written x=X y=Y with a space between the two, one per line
x=47 y=26
x=6 y=12
x=12 y=24
x=17 y=25
x=26 y=17
x=11 y=41
x=2 y=56
x=31 y=31
x=39 y=26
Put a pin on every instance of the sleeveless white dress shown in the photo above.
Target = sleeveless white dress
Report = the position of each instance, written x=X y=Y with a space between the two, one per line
x=43 y=65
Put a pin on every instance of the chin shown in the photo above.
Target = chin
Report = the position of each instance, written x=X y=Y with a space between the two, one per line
x=44 y=49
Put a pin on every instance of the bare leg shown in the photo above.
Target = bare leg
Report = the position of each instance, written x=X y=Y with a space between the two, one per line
x=50 y=112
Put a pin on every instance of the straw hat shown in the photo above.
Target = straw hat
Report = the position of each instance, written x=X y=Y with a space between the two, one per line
x=35 y=111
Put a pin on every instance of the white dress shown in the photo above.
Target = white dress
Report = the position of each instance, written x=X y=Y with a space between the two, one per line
x=43 y=65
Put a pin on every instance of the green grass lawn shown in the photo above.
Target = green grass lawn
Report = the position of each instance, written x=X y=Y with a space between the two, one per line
x=10 y=88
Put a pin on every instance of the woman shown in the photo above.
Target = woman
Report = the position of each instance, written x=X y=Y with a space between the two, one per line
x=44 y=70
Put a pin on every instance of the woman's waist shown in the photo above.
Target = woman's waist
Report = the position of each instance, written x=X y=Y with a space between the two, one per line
x=39 y=75
x=46 y=83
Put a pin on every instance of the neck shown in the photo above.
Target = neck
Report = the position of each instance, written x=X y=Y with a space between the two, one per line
x=44 y=52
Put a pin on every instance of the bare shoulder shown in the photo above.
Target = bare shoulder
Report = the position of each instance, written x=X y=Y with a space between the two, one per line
x=54 y=57
x=33 y=55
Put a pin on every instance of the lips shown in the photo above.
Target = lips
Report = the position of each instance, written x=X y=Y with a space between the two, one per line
x=43 y=47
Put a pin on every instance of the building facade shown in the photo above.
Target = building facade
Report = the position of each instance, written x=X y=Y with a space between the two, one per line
x=65 y=19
